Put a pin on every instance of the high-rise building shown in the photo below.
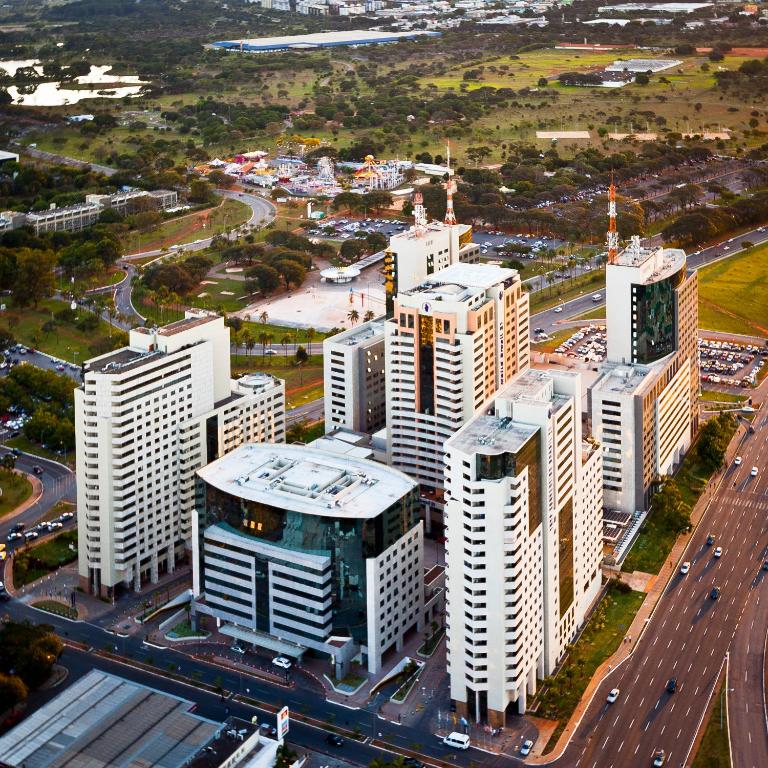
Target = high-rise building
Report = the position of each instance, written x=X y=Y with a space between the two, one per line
x=425 y=248
x=299 y=548
x=523 y=518
x=147 y=417
x=644 y=406
x=452 y=341
x=353 y=363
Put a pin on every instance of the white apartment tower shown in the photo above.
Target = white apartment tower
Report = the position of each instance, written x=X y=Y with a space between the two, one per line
x=452 y=341
x=353 y=372
x=147 y=417
x=644 y=406
x=523 y=521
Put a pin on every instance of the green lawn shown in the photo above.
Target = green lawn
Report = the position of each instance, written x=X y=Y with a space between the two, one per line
x=36 y=561
x=732 y=294
x=610 y=621
x=184 y=629
x=23 y=444
x=569 y=289
x=594 y=314
x=713 y=752
x=54 y=606
x=553 y=341
x=188 y=227
x=66 y=341
x=722 y=397
x=16 y=489
x=302 y=383
x=654 y=543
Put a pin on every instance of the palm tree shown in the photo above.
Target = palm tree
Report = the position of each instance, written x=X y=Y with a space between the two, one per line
x=246 y=338
x=263 y=338
x=550 y=281
x=353 y=316
x=250 y=343
x=311 y=333
x=234 y=339
x=264 y=317
x=285 y=341
x=368 y=316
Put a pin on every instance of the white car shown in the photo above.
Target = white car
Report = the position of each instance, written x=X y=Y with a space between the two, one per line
x=753 y=472
x=558 y=309
x=737 y=461
x=237 y=649
x=282 y=662
x=526 y=748
x=684 y=568
x=718 y=551
x=613 y=695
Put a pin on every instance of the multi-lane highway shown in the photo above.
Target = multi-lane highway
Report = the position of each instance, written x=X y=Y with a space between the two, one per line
x=689 y=633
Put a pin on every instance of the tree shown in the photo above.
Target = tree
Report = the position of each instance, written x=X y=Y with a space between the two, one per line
x=12 y=691
x=267 y=278
x=34 y=276
x=478 y=154
x=368 y=316
x=669 y=509
x=285 y=340
x=301 y=355
x=264 y=317
x=200 y=192
x=353 y=316
x=713 y=441
x=311 y=333
x=247 y=339
x=291 y=271
x=348 y=200
x=351 y=250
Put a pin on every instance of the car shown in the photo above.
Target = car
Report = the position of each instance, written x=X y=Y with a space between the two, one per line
x=753 y=472
x=710 y=540
x=558 y=309
x=714 y=593
x=270 y=352
x=526 y=748
x=37 y=469
x=539 y=330
x=718 y=552
x=596 y=297
x=15 y=451
x=737 y=461
x=17 y=528
x=282 y=662
x=613 y=695
x=671 y=685
x=334 y=740
x=237 y=649
x=14 y=536
x=2 y=587
x=765 y=565
x=659 y=758
x=59 y=367
x=31 y=535
x=64 y=516
x=684 y=568
x=269 y=730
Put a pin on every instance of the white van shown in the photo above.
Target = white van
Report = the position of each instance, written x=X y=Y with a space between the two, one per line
x=457 y=740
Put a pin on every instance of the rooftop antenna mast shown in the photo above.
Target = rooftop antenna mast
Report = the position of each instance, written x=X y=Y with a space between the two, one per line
x=613 y=235
x=450 y=214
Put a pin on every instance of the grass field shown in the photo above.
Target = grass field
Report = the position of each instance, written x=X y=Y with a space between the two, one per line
x=28 y=446
x=608 y=624
x=65 y=341
x=54 y=606
x=732 y=293
x=713 y=752
x=190 y=227
x=302 y=383
x=553 y=341
x=16 y=489
x=570 y=289
x=37 y=561
x=594 y=314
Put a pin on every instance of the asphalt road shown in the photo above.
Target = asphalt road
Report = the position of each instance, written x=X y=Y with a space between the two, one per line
x=262 y=212
x=688 y=635
x=298 y=698
x=58 y=483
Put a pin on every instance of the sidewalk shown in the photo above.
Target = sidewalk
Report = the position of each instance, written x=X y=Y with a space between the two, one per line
x=655 y=589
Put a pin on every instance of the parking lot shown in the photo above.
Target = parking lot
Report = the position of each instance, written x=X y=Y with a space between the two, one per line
x=588 y=344
x=730 y=363
x=490 y=242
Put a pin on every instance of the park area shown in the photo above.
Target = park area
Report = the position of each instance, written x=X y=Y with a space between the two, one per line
x=38 y=561
x=559 y=695
x=15 y=489
x=732 y=293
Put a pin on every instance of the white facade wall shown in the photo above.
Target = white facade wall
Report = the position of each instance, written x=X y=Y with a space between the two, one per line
x=673 y=408
x=140 y=430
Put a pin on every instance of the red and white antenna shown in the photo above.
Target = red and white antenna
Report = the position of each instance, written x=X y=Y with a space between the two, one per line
x=613 y=235
x=419 y=212
x=450 y=214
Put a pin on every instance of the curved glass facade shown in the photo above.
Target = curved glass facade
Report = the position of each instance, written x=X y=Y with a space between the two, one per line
x=653 y=319
x=346 y=542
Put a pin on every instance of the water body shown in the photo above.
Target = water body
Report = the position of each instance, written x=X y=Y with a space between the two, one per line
x=57 y=94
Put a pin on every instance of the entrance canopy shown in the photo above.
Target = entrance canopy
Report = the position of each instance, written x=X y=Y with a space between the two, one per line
x=263 y=640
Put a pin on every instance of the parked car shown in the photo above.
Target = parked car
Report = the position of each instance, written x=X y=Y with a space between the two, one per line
x=526 y=748
x=282 y=662
x=237 y=649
